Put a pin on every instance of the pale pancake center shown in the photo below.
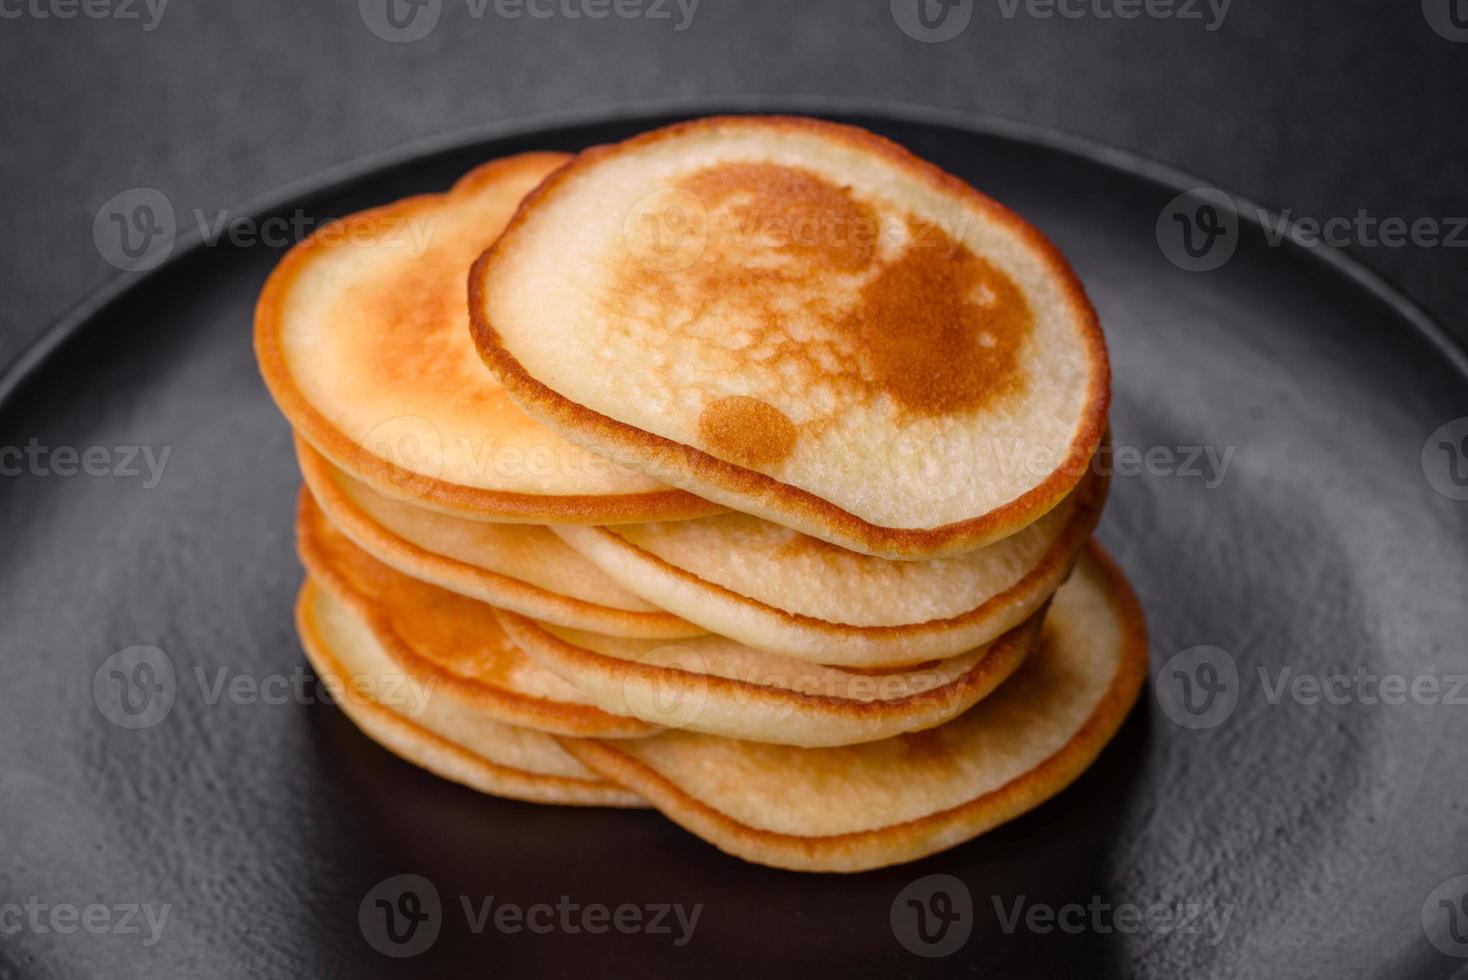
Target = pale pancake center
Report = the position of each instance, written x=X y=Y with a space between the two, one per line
x=800 y=285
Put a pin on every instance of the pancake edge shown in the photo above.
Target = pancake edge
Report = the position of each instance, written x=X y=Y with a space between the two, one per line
x=508 y=707
x=908 y=841
x=472 y=581
x=825 y=720
x=845 y=644
x=446 y=759
x=474 y=503
x=753 y=492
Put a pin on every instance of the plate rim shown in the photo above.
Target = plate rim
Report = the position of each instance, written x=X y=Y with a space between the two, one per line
x=34 y=355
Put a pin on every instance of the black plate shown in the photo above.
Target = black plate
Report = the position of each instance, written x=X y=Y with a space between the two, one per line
x=1324 y=829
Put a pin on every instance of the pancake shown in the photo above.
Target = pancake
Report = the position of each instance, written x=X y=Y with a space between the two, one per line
x=362 y=338
x=720 y=687
x=449 y=641
x=866 y=806
x=776 y=589
x=415 y=721
x=804 y=322
x=521 y=567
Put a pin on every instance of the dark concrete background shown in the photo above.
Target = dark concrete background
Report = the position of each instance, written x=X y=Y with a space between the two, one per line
x=1317 y=106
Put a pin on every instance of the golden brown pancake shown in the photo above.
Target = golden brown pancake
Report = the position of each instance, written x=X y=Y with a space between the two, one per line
x=362 y=337
x=806 y=323
x=521 y=567
x=448 y=640
x=777 y=589
x=717 y=686
x=881 y=803
x=421 y=722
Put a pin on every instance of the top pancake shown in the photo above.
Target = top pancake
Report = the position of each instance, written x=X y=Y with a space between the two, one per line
x=363 y=339
x=805 y=322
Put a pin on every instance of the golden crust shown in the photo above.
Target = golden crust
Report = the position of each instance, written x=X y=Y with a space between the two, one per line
x=747 y=489
x=417 y=745
x=870 y=646
x=913 y=839
x=499 y=702
x=343 y=451
x=471 y=580
x=780 y=712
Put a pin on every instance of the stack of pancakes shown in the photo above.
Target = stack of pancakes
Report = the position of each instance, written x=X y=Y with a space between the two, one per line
x=752 y=483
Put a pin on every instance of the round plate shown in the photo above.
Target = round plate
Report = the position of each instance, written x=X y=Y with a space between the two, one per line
x=1284 y=499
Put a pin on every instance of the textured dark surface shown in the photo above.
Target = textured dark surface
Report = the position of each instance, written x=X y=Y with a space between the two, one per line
x=1324 y=828
x=1319 y=106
